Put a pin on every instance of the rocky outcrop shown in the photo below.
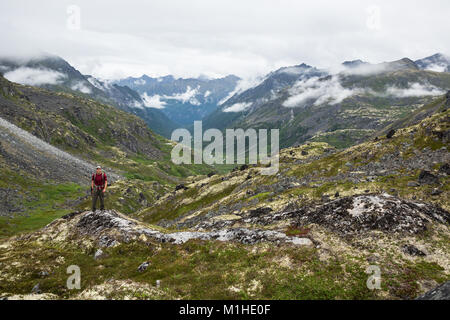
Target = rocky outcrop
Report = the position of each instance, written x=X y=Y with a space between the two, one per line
x=110 y=227
x=442 y=292
x=426 y=177
x=10 y=202
x=363 y=213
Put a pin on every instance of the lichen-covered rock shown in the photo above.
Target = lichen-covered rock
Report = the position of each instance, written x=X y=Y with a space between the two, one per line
x=99 y=254
x=120 y=228
x=441 y=292
x=412 y=250
x=426 y=177
x=362 y=213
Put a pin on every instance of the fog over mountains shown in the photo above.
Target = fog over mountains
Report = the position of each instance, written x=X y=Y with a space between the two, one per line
x=305 y=102
x=182 y=100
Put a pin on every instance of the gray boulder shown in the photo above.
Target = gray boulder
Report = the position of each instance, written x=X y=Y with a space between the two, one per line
x=99 y=254
x=441 y=292
x=143 y=266
x=426 y=177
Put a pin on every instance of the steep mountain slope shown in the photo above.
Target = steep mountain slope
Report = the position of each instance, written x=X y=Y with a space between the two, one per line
x=182 y=100
x=22 y=151
x=91 y=130
x=437 y=62
x=75 y=123
x=56 y=74
x=36 y=178
x=251 y=99
x=316 y=230
x=130 y=101
x=439 y=104
x=341 y=109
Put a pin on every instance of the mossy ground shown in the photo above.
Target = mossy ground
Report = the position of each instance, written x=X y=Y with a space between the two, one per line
x=212 y=270
x=42 y=202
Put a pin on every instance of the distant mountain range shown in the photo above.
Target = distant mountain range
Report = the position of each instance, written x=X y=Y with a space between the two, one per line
x=304 y=102
x=164 y=103
x=182 y=100
x=56 y=74
x=342 y=109
x=437 y=62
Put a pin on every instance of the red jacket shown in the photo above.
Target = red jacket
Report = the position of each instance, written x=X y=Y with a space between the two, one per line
x=99 y=179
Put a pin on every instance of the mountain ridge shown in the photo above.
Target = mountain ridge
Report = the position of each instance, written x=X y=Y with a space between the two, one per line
x=54 y=73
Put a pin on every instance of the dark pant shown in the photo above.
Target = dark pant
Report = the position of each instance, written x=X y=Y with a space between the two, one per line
x=98 y=193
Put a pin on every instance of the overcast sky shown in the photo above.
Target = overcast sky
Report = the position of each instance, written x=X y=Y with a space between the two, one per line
x=215 y=38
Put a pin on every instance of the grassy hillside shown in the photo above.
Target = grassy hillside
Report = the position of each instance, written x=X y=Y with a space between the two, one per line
x=95 y=132
x=317 y=171
x=309 y=232
x=412 y=254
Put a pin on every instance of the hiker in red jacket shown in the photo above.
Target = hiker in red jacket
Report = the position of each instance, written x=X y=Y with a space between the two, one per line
x=98 y=188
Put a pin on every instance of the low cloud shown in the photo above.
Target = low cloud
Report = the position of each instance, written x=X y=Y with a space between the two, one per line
x=414 y=90
x=437 y=67
x=238 y=107
x=139 y=82
x=367 y=69
x=96 y=83
x=4 y=68
x=318 y=91
x=293 y=70
x=153 y=101
x=80 y=86
x=243 y=85
x=34 y=77
x=160 y=101
x=188 y=96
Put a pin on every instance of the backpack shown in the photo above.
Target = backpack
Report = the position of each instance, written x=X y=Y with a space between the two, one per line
x=103 y=177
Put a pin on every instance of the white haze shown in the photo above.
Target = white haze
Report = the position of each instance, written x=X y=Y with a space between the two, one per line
x=34 y=77
x=118 y=39
x=437 y=67
x=157 y=101
x=243 y=85
x=318 y=91
x=414 y=90
x=238 y=107
x=367 y=69
x=80 y=86
x=187 y=96
x=153 y=101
